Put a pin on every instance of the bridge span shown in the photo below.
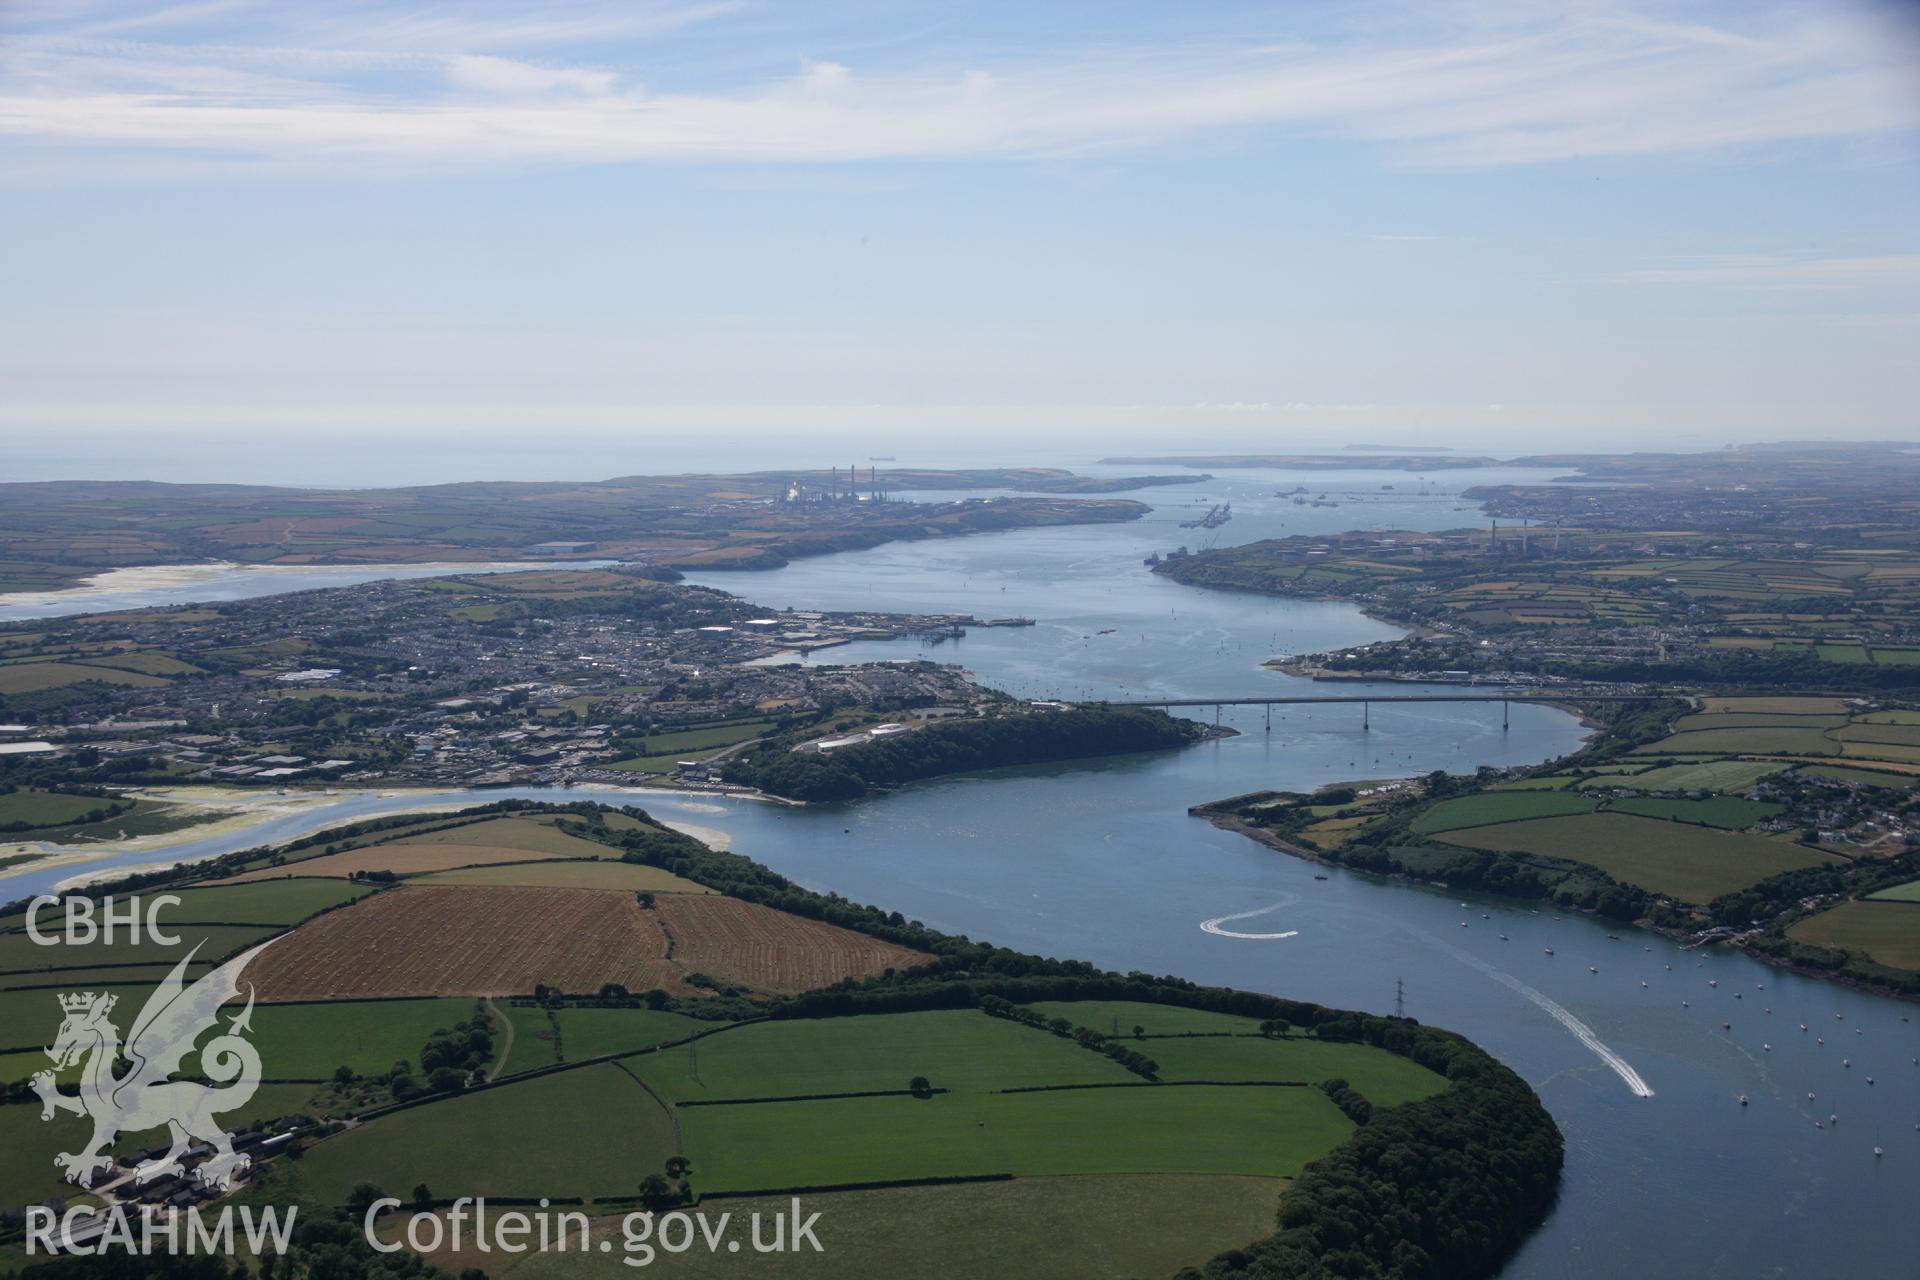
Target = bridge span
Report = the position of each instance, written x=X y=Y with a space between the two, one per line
x=1366 y=701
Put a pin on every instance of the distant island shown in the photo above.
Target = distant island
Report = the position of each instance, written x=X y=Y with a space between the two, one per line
x=62 y=532
x=1406 y=460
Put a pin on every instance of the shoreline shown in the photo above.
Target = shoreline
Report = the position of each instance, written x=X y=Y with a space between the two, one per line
x=160 y=577
x=1228 y=822
x=243 y=811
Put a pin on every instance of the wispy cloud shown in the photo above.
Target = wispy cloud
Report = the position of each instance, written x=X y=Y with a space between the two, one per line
x=1893 y=269
x=364 y=84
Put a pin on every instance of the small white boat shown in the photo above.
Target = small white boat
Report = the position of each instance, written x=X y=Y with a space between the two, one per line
x=1878 y=1152
x=1503 y=937
x=1743 y=1099
x=1549 y=950
x=1643 y=984
x=1767 y=1048
x=1591 y=969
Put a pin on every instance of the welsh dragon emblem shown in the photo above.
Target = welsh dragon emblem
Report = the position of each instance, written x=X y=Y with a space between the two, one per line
x=145 y=1096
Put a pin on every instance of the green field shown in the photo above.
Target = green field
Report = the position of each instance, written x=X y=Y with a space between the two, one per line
x=1543 y=783
x=1908 y=892
x=268 y=902
x=571 y=875
x=1782 y=740
x=41 y=808
x=1692 y=864
x=960 y=1049
x=30 y=1019
x=589 y=1132
x=19 y=953
x=1273 y=1132
x=1709 y=775
x=588 y=1033
x=1755 y=720
x=529 y=834
x=33 y=677
x=1865 y=777
x=1499 y=806
x=1888 y=931
x=1381 y=1078
x=664 y=751
x=307 y=1041
x=1729 y=812
x=1120 y=1017
x=1069 y=1228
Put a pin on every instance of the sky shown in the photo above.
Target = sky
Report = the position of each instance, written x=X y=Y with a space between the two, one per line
x=255 y=224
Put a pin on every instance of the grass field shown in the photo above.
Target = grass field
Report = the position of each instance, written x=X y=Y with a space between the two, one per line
x=307 y=1041
x=1382 y=1078
x=401 y=859
x=1120 y=1017
x=572 y=875
x=1273 y=1132
x=1709 y=775
x=1066 y=1228
x=1756 y=720
x=1780 y=740
x=1865 y=777
x=1802 y=706
x=663 y=751
x=281 y=902
x=590 y=1132
x=529 y=834
x=588 y=1033
x=19 y=953
x=1908 y=892
x=1889 y=931
x=1691 y=864
x=1729 y=812
x=34 y=677
x=41 y=808
x=1500 y=806
x=89 y=979
x=959 y=1049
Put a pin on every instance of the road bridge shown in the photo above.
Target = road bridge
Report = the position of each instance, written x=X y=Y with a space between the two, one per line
x=1366 y=701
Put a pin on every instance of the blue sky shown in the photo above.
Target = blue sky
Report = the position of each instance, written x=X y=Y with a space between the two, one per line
x=1511 y=225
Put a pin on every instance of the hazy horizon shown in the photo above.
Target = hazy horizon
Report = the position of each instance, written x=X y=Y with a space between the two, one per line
x=1509 y=227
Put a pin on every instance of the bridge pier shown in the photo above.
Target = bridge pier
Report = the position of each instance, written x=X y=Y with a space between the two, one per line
x=1504 y=720
x=1366 y=717
x=1269 y=717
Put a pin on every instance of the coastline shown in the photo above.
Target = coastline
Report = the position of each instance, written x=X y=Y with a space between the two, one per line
x=160 y=577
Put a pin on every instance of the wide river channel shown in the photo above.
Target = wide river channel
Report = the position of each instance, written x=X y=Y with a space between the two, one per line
x=1667 y=1174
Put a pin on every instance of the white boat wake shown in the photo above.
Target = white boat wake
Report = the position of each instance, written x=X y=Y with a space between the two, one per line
x=1213 y=926
x=1558 y=1012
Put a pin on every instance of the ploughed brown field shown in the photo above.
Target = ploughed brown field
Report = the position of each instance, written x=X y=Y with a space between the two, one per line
x=755 y=946
x=479 y=940
x=470 y=940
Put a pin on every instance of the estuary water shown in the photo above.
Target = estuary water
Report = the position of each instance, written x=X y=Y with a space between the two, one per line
x=1667 y=1174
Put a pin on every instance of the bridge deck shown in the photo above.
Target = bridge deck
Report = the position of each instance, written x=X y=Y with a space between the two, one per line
x=1568 y=696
